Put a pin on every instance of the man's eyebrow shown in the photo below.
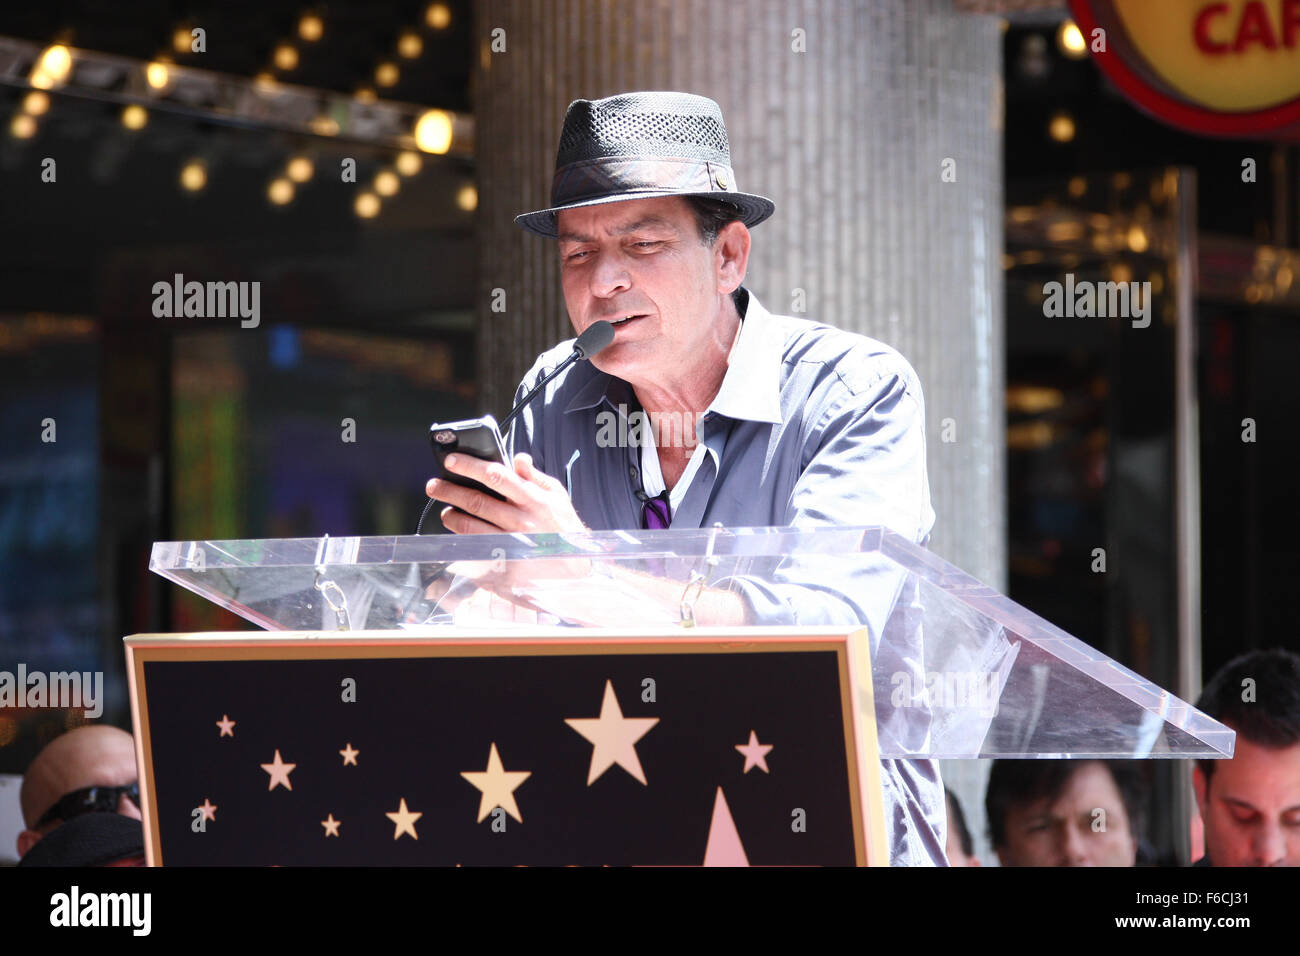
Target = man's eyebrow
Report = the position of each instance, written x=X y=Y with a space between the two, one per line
x=1238 y=802
x=646 y=223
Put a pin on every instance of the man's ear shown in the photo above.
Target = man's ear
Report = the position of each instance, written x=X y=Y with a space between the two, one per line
x=732 y=252
x=1201 y=786
x=26 y=840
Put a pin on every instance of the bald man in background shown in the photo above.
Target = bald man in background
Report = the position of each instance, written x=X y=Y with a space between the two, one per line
x=70 y=766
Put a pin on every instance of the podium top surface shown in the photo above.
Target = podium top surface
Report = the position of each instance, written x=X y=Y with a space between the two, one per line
x=959 y=670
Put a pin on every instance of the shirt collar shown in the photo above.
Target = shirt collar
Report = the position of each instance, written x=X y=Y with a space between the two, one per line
x=751 y=388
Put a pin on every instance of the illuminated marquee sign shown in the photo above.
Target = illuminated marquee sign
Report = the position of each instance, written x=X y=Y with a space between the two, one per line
x=1221 y=67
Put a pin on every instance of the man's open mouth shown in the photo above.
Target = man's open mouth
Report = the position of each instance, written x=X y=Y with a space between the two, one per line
x=626 y=319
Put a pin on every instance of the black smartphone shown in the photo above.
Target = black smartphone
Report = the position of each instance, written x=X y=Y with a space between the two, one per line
x=479 y=437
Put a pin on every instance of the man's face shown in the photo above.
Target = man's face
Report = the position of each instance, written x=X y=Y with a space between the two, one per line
x=1251 y=806
x=97 y=756
x=644 y=258
x=1068 y=830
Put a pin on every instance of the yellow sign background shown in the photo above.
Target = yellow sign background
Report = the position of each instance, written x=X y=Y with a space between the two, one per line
x=1256 y=78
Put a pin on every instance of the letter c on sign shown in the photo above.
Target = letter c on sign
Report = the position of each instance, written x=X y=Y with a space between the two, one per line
x=1203 y=41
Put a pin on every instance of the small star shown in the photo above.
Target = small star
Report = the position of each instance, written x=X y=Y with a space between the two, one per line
x=614 y=737
x=227 y=726
x=405 y=820
x=209 y=810
x=755 y=753
x=349 y=755
x=331 y=826
x=497 y=786
x=279 y=771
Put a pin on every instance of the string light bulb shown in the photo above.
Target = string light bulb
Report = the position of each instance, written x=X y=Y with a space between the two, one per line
x=194 y=176
x=438 y=16
x=310 y=28
x=279 y=191
x=286 y=57
x=407 y=162
x=409 y=45
x=134 y=116
x=36 y=103
x=366 y=205
x=433 y=131
x=1070 y=41
x=157 y=75
x=300 y=169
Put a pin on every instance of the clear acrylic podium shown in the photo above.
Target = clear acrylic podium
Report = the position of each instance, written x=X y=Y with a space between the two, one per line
x=842 y=645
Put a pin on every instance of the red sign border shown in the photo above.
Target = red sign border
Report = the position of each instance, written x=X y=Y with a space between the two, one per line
x=1281 y=120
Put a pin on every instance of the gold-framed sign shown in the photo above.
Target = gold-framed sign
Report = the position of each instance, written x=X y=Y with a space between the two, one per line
x=525 y=747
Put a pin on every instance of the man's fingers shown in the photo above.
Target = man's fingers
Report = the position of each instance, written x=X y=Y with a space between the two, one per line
x=458 y=522
x=525 y=469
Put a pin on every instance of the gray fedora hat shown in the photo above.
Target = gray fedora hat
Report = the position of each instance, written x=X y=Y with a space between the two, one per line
x=640 y=146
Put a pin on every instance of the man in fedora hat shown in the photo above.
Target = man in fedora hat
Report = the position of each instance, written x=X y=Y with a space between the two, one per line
x=779 y=421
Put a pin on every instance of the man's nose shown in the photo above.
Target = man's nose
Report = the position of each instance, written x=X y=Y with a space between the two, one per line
x=609 y=276
x=1074 y=846
x=1269 y=846
x=126 y=806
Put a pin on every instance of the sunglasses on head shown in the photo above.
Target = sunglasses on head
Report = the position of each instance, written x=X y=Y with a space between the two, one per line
x=89 y=800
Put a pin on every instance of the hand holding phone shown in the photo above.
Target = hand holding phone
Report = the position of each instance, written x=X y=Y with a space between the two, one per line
x=478 y=437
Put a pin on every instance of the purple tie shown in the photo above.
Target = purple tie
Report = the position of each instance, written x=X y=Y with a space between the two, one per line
x=656 y=513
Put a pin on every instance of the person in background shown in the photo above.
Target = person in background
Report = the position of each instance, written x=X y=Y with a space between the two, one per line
x=960 y=848
x=87 y=770
x=1064 y=812
x=1250 y=805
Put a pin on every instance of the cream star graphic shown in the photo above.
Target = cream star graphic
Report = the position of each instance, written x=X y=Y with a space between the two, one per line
x=279 y=771
x=614 y=737
x=349 y=755
x=755 y=753
x=209 y=810
x=497 y=786
x=227 y=726
x=331 y=826
x=405 y=820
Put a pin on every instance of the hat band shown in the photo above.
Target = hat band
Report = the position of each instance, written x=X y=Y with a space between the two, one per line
x=608 y=176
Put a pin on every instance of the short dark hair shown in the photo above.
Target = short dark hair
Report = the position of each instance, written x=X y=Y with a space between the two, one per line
x=1014 y=783
x=957 y=820
x=711 y=215
x=1272 y=717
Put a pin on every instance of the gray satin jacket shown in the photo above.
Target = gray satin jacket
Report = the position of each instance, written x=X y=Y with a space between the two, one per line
x=812 y=426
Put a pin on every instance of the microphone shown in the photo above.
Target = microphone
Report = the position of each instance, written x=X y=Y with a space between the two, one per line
x=597 y=337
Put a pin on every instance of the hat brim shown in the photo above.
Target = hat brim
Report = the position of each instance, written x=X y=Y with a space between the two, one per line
x=753 y=209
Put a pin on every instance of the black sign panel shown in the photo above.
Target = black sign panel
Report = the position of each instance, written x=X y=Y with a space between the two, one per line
x=500 y=756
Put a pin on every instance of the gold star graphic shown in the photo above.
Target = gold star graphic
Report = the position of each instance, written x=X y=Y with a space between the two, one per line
x=405 y=820
x=209 y=810
x=497 y=786
x=349 y=755
x=614 y=736
x=227 y=726
x=279 y=771
x=331 y=826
